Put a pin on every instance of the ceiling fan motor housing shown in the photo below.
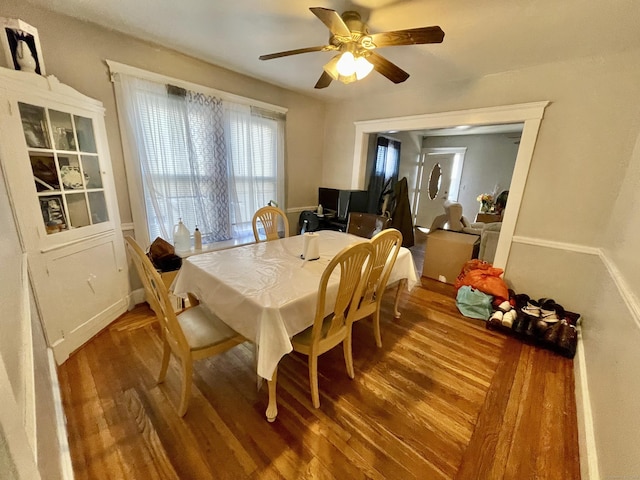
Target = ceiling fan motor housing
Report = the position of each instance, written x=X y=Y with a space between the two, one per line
x=359 y=39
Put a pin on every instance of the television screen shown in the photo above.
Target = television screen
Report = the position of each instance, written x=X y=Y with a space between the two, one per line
x=328 y=198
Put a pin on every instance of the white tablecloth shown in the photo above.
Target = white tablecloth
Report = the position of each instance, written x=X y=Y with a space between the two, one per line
x=266 y=292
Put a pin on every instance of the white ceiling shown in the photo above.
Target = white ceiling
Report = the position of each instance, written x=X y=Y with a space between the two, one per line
x=481 y=37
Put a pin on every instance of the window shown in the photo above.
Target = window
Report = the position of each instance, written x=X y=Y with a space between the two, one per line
x=384 y=174
x=208 y=161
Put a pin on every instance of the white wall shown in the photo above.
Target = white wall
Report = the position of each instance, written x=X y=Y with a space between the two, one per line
x=27 y=416
x=581 y=194
x=75 y=51
x=12 y=343
x=488 y=163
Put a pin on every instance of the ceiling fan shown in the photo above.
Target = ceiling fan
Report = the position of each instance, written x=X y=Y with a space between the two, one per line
x=351 y=38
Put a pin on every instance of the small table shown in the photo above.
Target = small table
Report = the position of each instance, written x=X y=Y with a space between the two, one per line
x=488 y=217
x=267 y=293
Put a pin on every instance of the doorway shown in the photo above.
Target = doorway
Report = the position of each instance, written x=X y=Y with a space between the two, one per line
x=530 y=114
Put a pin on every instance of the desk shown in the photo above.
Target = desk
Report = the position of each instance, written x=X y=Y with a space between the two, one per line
x=267 y=293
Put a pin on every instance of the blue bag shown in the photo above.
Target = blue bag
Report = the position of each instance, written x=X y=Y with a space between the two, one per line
x=474 y=303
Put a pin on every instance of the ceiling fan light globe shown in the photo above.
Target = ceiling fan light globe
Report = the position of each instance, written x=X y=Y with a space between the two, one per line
x=363 y=67
x=348 y=79
x=346 y=65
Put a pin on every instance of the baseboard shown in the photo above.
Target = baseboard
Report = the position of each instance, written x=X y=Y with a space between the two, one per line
x=588 y=450
x=569 y=247
x=66 y=466
x=136 y=297
x=80 y=335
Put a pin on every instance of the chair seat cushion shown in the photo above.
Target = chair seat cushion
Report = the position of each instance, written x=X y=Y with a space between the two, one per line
x=304 y=337
x=203 y=329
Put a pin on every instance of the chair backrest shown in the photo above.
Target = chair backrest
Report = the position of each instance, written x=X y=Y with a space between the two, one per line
x=269 y=216
x=452 y=218
x=355 y=263
x=386 y=246
x=454 y=212
x=367 y=224
x=158 y=297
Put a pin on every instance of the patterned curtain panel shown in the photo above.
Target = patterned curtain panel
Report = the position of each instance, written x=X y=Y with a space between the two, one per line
x=208 y=163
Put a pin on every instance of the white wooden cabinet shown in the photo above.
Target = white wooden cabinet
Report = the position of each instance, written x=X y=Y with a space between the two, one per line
x=55 y=159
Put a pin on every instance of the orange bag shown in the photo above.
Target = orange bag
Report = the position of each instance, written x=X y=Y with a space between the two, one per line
x=488 y=281
x=474 y=264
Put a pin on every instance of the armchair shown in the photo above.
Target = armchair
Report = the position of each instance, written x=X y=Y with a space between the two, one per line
x=452 y=219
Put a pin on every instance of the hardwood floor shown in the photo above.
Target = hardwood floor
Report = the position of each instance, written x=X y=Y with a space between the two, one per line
x=444 y=398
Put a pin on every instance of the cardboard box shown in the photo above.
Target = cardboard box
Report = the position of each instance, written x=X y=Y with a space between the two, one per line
x=446 y=252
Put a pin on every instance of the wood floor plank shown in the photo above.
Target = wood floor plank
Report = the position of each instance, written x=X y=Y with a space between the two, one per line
x=444 y=398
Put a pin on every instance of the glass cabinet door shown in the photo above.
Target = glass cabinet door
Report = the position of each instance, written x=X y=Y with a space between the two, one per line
x=66 y=168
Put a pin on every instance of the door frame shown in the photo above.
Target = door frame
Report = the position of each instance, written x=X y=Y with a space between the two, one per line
x=530 y=114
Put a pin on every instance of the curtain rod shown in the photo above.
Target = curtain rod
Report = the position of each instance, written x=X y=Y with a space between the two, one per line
x=116 y=67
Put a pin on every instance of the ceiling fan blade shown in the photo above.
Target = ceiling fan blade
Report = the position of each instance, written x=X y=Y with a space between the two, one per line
x=413 y=36
x=324 y=80
x=386 y=68
x=296 y=52
x=332 y=20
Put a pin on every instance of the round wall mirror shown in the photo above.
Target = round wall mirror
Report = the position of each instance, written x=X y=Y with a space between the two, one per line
x=435 y=177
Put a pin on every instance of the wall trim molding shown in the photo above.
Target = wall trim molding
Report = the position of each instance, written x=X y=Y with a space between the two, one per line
x=136 y=297
x=630 y=298
x=27 y=361
x=569 y=247
x=590 y=453
x=127 y=227
x=66 y=465
x=301 y=209
x=85 y=332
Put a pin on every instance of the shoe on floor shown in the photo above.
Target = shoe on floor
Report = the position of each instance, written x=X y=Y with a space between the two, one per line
x=532 y=308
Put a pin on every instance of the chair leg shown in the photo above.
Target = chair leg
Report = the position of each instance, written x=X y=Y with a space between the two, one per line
x=348 y=355
x=313 y=380
x=376 y=327
x=166 y=354
x=187 y=370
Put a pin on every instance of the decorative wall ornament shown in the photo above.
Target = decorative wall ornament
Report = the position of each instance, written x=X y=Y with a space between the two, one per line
x=21 y=46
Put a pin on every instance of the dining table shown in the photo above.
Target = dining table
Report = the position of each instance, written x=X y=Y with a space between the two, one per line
x=267 y=292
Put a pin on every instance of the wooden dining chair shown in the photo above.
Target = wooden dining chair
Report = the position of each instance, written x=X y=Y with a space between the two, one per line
x=192 y=334
x=367 y=224
x=386 y=246
x=331 y=330
x=268 y=216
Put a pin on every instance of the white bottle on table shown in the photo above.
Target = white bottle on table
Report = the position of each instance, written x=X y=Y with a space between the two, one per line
x=197 y=239
x=320 y=210
x=181 y=238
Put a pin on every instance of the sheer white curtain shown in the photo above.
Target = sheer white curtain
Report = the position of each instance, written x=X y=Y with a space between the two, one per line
x=178 y=158
x=255 y=148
